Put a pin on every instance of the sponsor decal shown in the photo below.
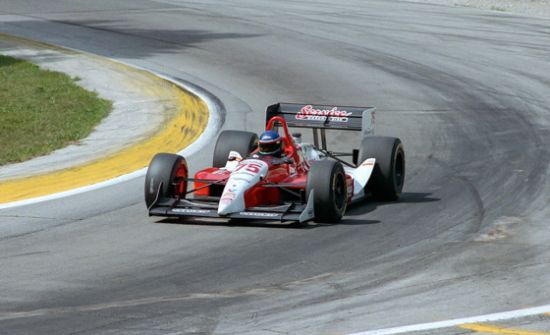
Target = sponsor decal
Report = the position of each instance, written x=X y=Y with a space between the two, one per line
x=228 y=197
x=191 y=211
x=311 y=114
x=262 y=214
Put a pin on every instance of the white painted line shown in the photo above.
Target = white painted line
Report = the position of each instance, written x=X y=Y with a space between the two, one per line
x=214 y=123
x=455 y=322
x=75 y=191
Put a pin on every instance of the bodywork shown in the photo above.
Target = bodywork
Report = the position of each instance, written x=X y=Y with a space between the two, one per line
x=250 y=186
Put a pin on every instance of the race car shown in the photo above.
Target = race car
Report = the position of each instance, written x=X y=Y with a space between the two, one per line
x=303 y=182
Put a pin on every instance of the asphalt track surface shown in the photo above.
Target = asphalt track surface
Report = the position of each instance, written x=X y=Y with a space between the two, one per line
x=466 y=91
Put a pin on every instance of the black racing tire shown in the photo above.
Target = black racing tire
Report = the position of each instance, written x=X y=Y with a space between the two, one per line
x=388 y=177
x=244 y=142
x=330 y=197
x=170 y=170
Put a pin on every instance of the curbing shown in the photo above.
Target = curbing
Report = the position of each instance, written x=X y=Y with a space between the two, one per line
x=196 y=121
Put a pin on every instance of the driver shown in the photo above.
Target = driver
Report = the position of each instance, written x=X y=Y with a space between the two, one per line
x=270 y=148
x=270 y=144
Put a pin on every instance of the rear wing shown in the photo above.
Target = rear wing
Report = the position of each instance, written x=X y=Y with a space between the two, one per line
x=319 y=118
x=324 y=116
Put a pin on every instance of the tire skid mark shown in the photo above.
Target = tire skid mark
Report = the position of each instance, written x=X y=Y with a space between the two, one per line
x=228 y=294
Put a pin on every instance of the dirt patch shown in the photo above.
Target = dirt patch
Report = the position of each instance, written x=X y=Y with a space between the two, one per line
x=501 y=229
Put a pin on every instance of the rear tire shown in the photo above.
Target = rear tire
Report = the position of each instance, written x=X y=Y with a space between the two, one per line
x=388 y=176
x=169 y=170
x=244 y=142
x=330 y=197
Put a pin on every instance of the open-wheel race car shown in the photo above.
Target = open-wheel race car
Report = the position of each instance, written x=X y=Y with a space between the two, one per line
x=277 y=177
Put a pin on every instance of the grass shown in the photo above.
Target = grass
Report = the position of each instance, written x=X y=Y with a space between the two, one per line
x=41 y=111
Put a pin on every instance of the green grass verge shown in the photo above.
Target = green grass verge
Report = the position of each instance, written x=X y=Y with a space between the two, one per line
x=41 y=111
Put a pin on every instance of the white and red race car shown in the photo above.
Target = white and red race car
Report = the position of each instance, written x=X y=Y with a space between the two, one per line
x=308 y=181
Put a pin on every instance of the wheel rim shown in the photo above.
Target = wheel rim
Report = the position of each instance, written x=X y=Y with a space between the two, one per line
x=399 y=170
x=339 y=191
x=179 y=180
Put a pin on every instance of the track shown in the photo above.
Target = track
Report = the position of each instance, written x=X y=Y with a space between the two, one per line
x=466 y=90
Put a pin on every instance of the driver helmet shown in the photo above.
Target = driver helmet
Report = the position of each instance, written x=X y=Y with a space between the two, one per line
x=271 y=143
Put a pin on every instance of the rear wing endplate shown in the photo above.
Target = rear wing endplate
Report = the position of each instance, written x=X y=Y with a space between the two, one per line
x=324 y=116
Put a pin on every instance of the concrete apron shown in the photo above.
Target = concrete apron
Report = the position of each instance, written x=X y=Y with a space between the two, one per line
x=150 y=115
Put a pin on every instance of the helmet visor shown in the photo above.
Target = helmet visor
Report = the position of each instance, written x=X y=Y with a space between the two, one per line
x=270 y=147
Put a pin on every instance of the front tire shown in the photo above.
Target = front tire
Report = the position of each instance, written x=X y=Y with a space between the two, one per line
x=166 y=177
x=388 y=177
x=244 y=142
x=330 y=197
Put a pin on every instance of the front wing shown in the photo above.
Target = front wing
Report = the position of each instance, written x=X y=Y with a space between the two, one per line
x=207 y=208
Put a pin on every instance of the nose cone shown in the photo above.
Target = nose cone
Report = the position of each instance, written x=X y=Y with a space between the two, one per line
x=225 y=208
x=247 y=174
x=232 y=200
